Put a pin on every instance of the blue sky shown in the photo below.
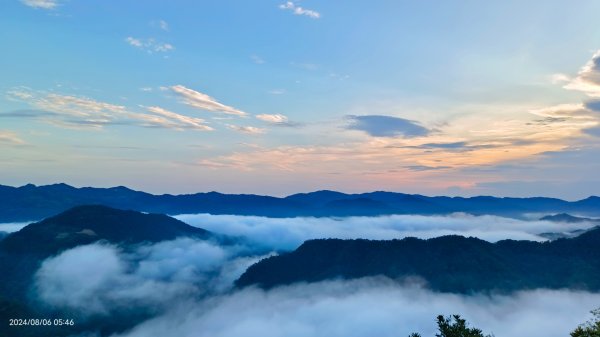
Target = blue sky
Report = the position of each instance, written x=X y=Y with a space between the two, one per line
x=277 y=97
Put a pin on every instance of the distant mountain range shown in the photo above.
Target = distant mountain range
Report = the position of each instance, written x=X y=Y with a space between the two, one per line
x=32 y=202
x=567 y=218
x=447 y=263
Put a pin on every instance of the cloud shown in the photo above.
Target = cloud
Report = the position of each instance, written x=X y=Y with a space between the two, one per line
x=277 y=91
x=83 y=112
x=180 y=121
x=297 y=10
x=149 y=45
x=274 y=119
x=593 y=131
x=41 y=4
x=386 y=126
x=426 y=168
x=26 y=113
x=10 y=227
x=202 y=101
x=247 y=129
x=588 y=77
x=374 y=163
x=257 y=59
x=289 y=233
x=11 y=138
x=564 y=111
x=186 y=285
x=453 y=145
x=67 y=109
x=582 y=117
x=464 y=146
x=149 y=277
x=368 y=307
x=163 y=25
x=593 y=105
x=278 y=120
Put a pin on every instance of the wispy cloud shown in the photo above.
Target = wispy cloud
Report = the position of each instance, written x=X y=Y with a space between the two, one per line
x=247 y=129
x=275 y=119
x=202 y=101
x=41 y=4
x=426 y=168
x=10 y=138
x=180 y=121
x=297 y=10
x=257 y=59
x=588 y=78
x=386 y=126
x=83 y=112
x=163 y=25
x=149 y=45
x=278 y=120
x=404 y=152
x=566 y=111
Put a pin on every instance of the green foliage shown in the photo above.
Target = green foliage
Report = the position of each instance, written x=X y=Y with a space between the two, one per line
x=458 y=328
x=454 y=326
x=590 y=328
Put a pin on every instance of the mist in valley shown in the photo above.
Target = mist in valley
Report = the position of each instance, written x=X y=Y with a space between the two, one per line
x=185 y=287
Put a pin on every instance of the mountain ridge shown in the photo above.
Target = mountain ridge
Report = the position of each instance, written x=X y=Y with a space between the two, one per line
x=451 y=263
x=31 y=203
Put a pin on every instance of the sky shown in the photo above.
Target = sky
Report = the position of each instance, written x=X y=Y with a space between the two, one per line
x=279 y=97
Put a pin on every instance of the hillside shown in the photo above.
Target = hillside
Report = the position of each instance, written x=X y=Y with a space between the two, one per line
x=22 y=252
x=448 y=263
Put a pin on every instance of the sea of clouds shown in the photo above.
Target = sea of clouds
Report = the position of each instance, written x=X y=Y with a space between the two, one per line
x=186 y=285
x=368 y=307
x=289 y=233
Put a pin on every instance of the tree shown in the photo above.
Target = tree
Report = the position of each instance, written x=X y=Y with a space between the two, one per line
x=454 y=326
x=590 y=328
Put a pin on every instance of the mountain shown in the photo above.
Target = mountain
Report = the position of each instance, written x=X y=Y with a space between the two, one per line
x=30 y=202
x=22 y=252
x=317 y=198
x=447 y=263
x=566 y=218
x=356 y=207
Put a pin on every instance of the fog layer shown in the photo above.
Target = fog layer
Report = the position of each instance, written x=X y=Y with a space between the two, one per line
x=289 y=233
x=368 y=308
x=187 y=284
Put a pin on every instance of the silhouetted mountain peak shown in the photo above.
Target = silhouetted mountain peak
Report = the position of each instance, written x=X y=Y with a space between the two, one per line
x=564 y=217
x=317 y=198
x=86 y=224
